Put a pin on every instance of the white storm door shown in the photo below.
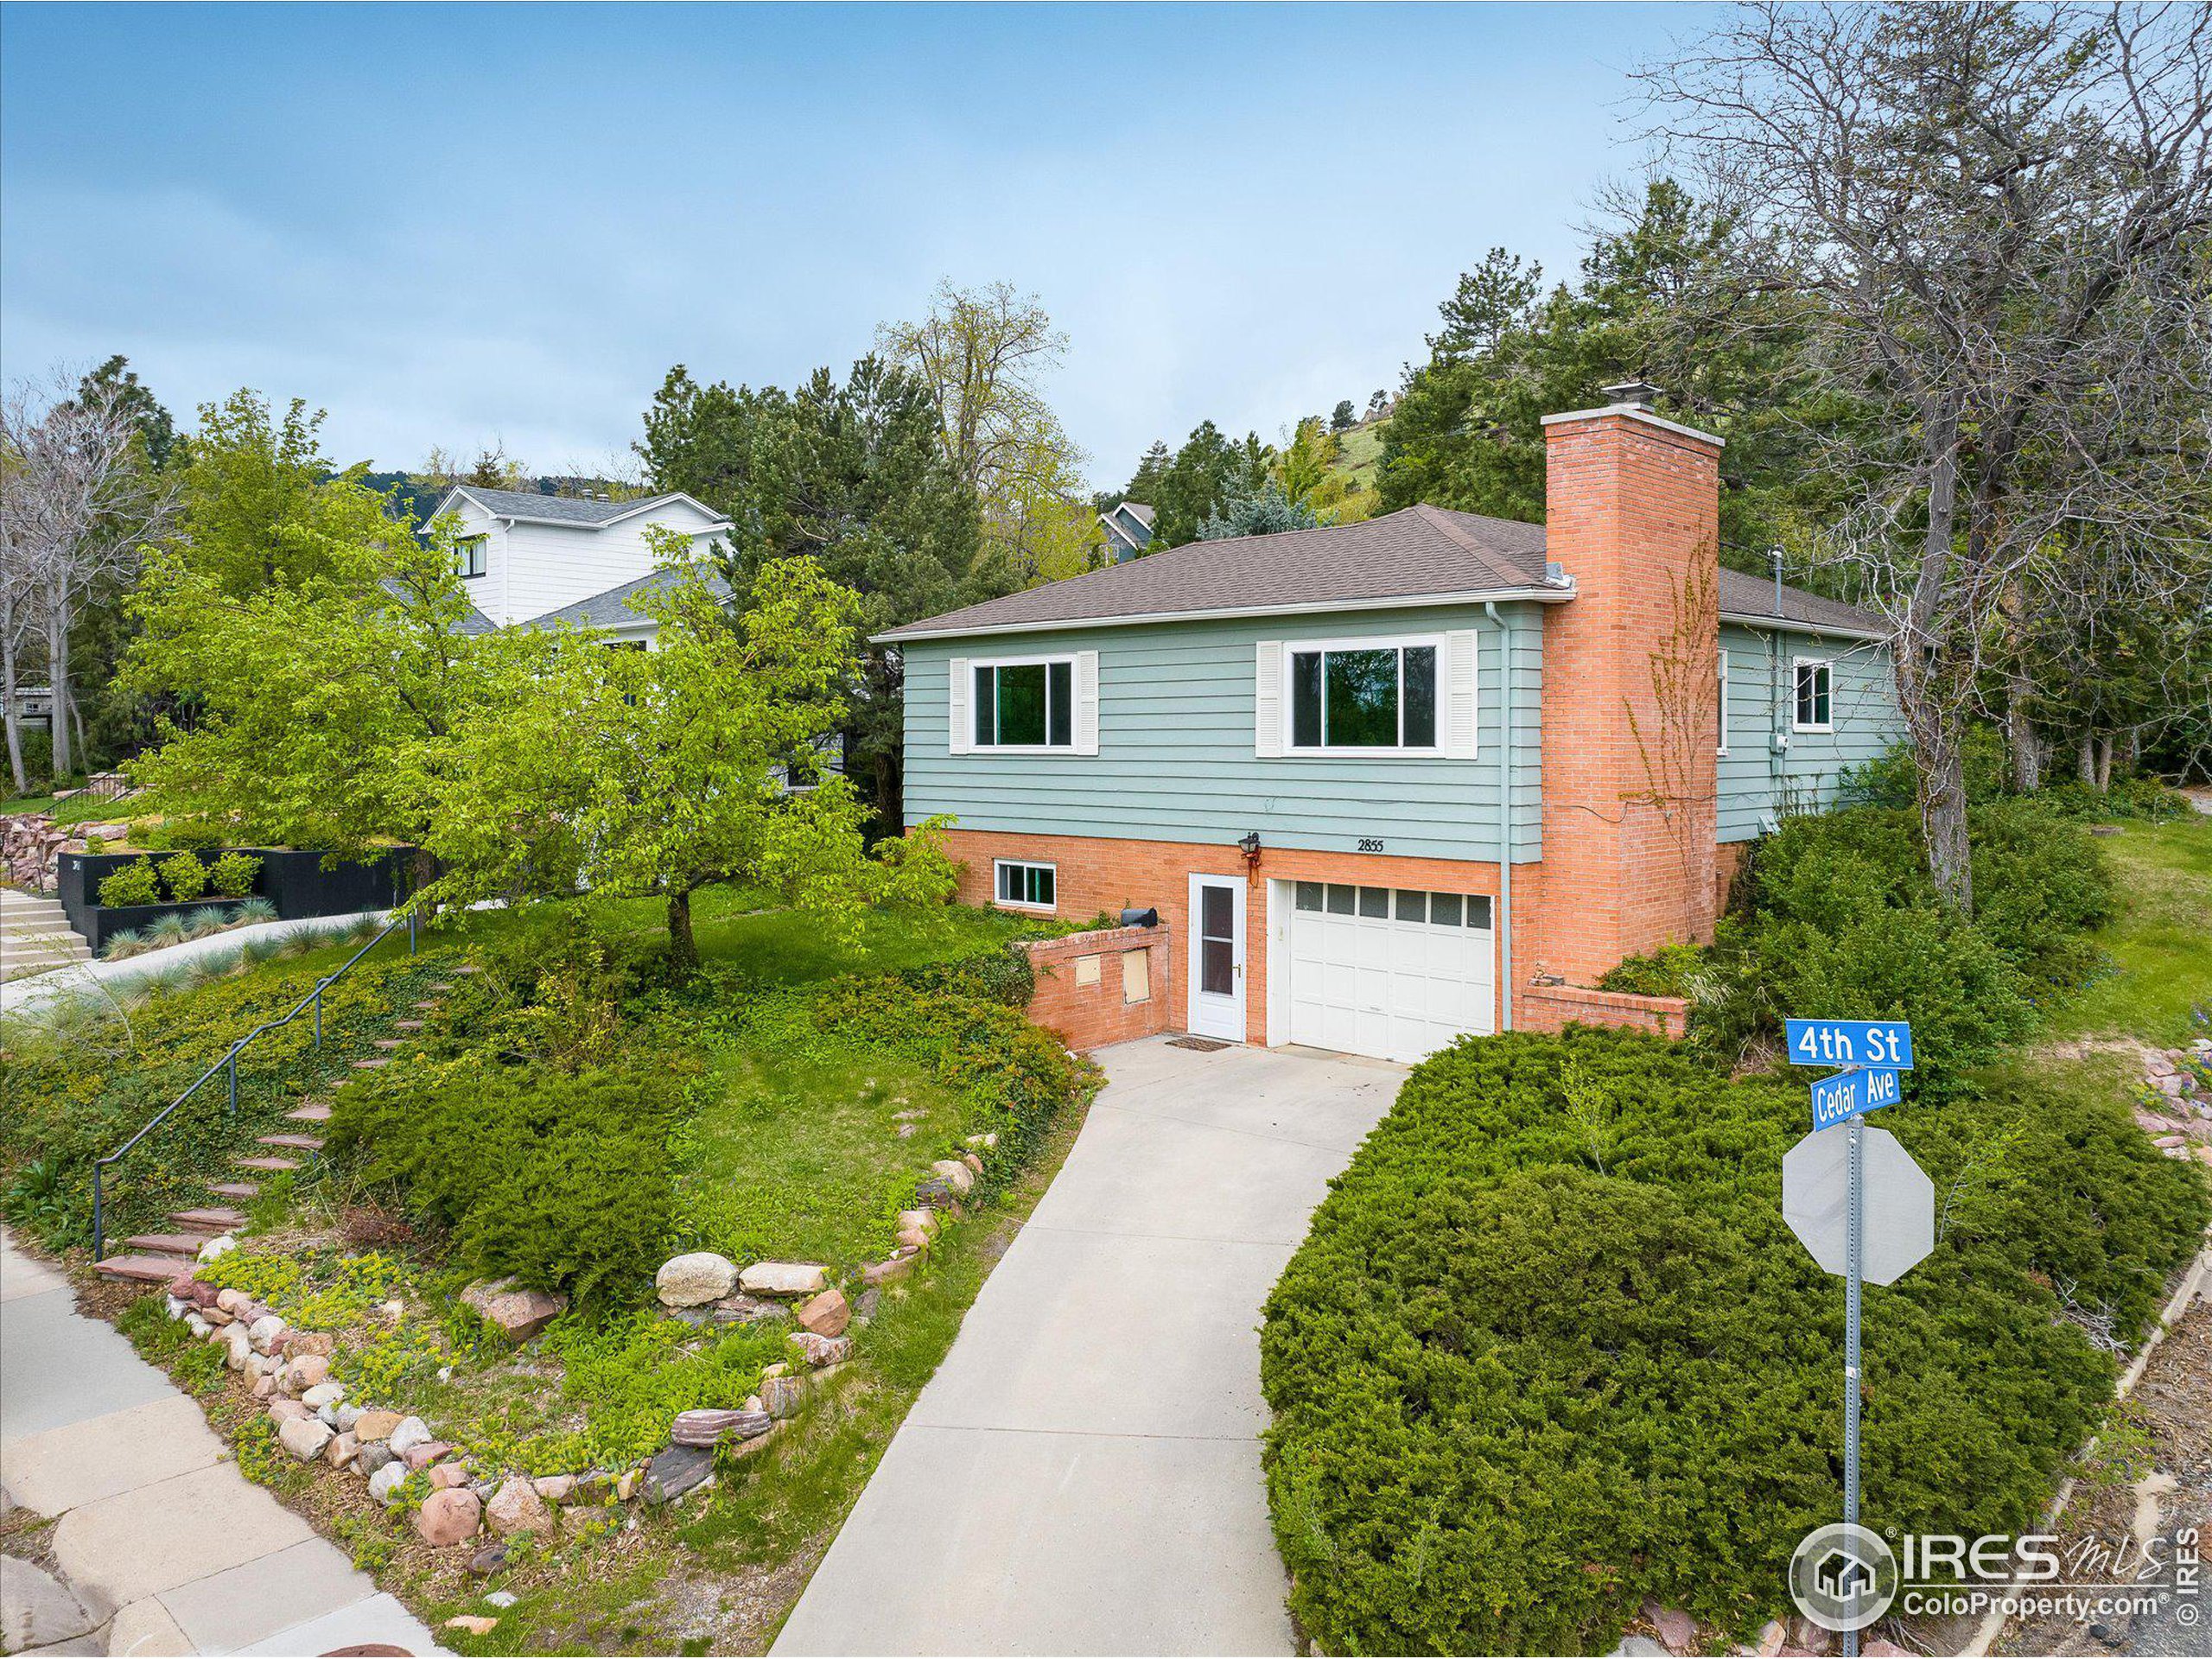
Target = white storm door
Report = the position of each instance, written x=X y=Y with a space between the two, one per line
x=1217 y=958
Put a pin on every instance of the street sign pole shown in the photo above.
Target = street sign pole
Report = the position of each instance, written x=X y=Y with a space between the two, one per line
x=1872 y=1053
x=1855 y=1201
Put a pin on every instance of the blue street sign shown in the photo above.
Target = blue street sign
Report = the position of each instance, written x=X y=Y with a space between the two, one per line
x=1885 y=1043
x=1853 y=1094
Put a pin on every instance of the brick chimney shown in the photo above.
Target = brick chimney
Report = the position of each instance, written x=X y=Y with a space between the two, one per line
x=1629 y=699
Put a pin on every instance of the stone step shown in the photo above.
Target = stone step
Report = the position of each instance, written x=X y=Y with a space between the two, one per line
x=388 y=1043
x=235 y=1189
x=469 y=968
x=407 y=1025
x=269 y=1166
x=297 y=1142
x=315 y=1111
x=431 y=1007
x=145 y=1269
x=210 y=1221
x=182 y=1244
x=442 y=985
x=371 y=1066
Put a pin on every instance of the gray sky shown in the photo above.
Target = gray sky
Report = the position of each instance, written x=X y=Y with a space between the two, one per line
x=448 y=224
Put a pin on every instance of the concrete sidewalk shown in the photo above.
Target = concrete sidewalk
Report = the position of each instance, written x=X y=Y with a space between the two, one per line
x=1082 y=1476
x=164 y=1545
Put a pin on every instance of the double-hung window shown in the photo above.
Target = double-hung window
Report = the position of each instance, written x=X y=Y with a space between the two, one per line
x=1028 y=705
x=1381 y=695
x=1815 y=686
x=470 y=555
x=1031 y=886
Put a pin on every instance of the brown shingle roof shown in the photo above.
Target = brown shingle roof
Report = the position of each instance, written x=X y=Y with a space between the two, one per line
x=1417 y=553
x=1742 y=594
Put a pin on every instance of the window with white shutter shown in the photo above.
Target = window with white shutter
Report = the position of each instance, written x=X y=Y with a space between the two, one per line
x=1267 y=701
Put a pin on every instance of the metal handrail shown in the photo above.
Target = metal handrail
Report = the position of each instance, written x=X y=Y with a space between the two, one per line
x=230 y=1062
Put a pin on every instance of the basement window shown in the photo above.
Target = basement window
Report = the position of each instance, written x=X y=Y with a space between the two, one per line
x=1028 y=887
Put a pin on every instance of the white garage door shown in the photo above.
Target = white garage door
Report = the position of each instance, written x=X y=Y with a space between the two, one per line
x=1388 y=971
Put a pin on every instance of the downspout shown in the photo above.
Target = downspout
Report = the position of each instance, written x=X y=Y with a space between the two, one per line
x=1504 y=807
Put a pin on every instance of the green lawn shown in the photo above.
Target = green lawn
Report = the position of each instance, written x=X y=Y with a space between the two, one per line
x=804 y=1157
x=2160 y=947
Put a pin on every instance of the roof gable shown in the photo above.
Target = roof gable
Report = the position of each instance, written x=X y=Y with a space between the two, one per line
x=528 y=506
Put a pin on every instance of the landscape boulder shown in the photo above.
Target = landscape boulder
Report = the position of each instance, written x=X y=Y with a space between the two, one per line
x=675 y=1472
x=955 y=1174
x=710 y=1429
x=516 y=1506
x=448 y=1517
x=385 y=1481
x=694 y=1280
x=819 y=1351
x=790 y=1279
x=826 y=1315
x=376 y=1424
x=408 y=1432
x=520 y=1314
x=304 y=1437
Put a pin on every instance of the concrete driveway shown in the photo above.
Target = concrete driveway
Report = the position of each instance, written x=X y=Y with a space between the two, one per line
x=1082 y=1476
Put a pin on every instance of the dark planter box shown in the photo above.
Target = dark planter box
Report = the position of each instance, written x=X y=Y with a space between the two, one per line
x=295 y=882
x=106 y=921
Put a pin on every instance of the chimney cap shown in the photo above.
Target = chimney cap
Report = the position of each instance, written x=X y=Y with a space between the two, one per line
x=1642 y=393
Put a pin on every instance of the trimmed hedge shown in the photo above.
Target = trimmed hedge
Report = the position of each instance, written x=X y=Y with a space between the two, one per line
x=1535 y=1364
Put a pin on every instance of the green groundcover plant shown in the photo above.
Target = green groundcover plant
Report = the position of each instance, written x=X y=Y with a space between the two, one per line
x=1549 y=1348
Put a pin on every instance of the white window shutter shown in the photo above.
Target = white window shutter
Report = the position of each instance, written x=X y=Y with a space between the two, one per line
x=1086 y=703
x=963 y=717
x=1460 y=660
x=1267 y=703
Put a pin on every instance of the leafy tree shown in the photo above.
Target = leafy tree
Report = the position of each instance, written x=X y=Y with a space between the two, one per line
x=1262 y=514
x=1207 y=474
x=851 y=475
x=1467 y=432
x=116 y=384
x=659 y=772
x=1307 y=472
x=986 y=352
x=1342 y=419
x=314 y=694
x=1144 y=483
x=1989 y=222
x=260 y=503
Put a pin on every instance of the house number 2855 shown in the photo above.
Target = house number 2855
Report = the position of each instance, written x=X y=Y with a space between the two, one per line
x=1371 y=844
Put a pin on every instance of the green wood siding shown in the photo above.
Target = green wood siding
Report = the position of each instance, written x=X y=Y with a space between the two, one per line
x=1757 y=784
x=1176 y=758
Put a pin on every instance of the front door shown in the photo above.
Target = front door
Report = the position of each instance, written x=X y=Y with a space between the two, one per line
x=1217 y=956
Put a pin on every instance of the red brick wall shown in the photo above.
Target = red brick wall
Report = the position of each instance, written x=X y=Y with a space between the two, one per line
x=1091 y=1016
x=1551 y=1008
x=1098 y=873
x=1632 y=511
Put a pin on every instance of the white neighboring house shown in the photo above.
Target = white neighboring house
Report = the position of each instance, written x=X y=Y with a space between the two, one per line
x=555 y=559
